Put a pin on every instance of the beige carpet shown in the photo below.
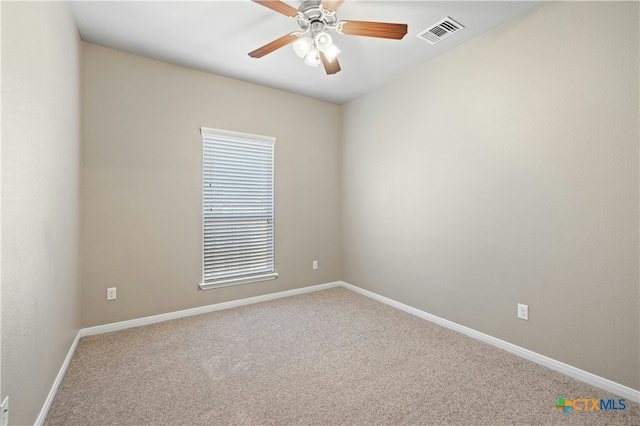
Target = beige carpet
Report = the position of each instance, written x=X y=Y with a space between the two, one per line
x=325 y=358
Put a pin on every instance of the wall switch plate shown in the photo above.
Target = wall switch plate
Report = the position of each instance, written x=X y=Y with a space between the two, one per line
x=315 y=264
x=5 y=412
x=111 y=293
x=523 y=311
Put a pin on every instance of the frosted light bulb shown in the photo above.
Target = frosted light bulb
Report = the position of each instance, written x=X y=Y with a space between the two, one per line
x=313 y=57
x=302 y=46
x=323 y=41
x=331 y=53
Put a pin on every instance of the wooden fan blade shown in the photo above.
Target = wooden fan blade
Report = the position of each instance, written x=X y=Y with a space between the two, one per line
x=331 y=5
x=279 y=7
x=330 y=67
x=274 y=45
x=374 y=29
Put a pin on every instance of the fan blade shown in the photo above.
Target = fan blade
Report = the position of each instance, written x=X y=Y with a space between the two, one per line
x=331 y=5
x=279 y=7
x=274 y=45
x=330 y=67
x=373 y=29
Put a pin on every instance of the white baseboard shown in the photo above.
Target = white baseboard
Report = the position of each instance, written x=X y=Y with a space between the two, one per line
x=576 y=373
x=203 y=309
x=57 y=381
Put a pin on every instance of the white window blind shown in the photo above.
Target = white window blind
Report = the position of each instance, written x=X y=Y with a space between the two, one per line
x=238 y=208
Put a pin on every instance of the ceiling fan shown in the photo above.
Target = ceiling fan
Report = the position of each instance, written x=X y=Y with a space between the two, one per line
x=313 y=42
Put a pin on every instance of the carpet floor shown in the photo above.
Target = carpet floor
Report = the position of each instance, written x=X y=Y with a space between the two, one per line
x=325 y=358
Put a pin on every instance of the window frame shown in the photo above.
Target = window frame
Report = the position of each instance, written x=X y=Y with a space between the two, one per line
x=230 y=136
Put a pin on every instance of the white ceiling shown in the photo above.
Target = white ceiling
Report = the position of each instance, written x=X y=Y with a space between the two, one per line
x=216 y=36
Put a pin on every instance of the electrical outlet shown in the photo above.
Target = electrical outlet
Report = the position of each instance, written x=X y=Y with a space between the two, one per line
x=111 y=293
x=5 y=412
x=315 y=264
x=523 y=311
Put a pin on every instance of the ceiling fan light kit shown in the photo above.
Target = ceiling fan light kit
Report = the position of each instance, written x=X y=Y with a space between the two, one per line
x=313 y=42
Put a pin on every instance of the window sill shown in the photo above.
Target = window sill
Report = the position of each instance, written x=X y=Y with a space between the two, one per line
x=238 y=281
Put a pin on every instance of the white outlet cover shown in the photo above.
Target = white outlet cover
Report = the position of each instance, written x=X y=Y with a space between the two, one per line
x=111 y=293
x=523 y=311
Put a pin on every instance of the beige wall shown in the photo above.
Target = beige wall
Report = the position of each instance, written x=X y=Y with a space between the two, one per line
x=506 y=171
x=41 y=200
x=141 y=190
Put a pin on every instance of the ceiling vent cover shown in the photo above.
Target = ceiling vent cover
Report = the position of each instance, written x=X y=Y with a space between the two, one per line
x=440 y=31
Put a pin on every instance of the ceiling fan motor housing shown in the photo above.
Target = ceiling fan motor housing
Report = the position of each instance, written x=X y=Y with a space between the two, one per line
x=314 y=18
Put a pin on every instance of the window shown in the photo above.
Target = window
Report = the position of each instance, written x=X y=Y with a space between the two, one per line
x=237 y=201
